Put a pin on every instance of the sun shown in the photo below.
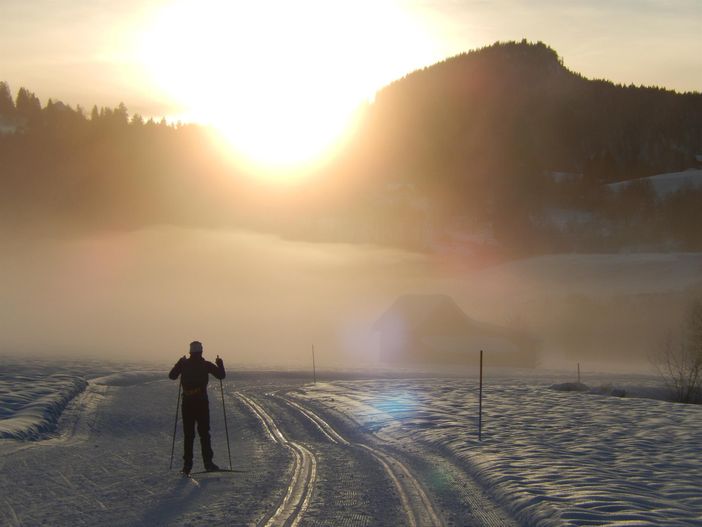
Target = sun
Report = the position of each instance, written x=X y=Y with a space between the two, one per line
x=282 y=81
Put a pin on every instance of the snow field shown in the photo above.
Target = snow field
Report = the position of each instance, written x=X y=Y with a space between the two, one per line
x=549 y=457
x=552 y=458
x=33 y=395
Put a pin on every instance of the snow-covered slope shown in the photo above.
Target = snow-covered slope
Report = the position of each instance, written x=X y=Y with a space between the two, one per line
x=665 y=184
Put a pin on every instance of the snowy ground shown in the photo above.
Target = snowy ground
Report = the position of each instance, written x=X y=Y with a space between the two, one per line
x=353 y=452
x=550 y=457
x=107 y=463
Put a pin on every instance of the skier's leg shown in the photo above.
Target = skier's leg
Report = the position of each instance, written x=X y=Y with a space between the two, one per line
x=188 y=434
x=203 y=429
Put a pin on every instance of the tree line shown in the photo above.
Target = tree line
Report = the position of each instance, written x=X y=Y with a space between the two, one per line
x=103 y=169
x=503 y=140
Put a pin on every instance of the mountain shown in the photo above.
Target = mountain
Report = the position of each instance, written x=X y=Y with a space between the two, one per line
x=499 y=135
x=516 y=105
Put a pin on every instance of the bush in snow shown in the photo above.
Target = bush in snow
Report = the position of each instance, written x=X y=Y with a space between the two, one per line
x=680 y=361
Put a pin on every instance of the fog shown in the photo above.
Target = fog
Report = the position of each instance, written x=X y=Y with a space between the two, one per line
x=261 y=301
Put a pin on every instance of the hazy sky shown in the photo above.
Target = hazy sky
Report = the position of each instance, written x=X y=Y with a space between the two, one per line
x=282 y=81
x=85 y=51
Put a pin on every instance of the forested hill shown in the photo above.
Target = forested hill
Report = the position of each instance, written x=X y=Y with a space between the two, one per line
x=504 y=141
x=504 y=134
x=515 y=106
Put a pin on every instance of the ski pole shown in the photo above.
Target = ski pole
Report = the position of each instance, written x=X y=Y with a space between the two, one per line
x=175 y=425
x=226 y=428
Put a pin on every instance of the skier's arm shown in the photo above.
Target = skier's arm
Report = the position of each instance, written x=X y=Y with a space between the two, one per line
x=217 y=371
x=177 y=369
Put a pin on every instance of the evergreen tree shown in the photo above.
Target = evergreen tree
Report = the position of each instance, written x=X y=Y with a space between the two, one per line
x=28 y=107
x=121 y=114
x=7 y=105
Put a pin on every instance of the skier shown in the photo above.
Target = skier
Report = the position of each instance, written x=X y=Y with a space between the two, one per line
x=194 y=372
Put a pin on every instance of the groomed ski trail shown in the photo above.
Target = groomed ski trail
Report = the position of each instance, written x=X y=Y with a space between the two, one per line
x=482 y=509
x=418 y=507
x=304 y=474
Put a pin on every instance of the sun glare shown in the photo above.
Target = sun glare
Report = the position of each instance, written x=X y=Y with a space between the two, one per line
x=281 y=80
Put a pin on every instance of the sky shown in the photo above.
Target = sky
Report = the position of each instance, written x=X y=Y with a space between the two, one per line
x=82 y=51
x=283 y=80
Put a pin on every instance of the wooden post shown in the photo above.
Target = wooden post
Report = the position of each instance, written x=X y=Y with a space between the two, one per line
x=314 y=368
x=578 y=373
x=480 y=400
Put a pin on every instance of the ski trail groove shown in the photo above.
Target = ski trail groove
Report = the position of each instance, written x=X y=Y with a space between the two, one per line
x=320 y=423
x=18 y=523
x=418 y=507
x=297 y=498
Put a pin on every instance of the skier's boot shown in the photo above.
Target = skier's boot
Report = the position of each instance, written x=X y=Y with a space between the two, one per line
x=211 y=467
x=187 y=467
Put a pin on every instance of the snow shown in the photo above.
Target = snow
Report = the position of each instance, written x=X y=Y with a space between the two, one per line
x=129 y=378
x=33 y=394
x=31 y=402
x=90 y=444
x=109 y=465
x=668 y=183
x=551 y=457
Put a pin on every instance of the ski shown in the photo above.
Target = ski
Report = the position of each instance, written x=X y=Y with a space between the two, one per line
x=220 y=470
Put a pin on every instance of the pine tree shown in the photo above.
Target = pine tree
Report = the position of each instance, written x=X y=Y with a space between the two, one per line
x=7 y=105
x=28 y=106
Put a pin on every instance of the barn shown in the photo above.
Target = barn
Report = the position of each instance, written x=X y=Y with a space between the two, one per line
x=433 y=329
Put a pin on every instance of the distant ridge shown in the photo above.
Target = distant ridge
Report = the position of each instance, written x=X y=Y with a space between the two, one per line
x=514 y=107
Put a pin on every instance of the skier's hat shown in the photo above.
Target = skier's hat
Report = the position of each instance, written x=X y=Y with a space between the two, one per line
x=196 y=346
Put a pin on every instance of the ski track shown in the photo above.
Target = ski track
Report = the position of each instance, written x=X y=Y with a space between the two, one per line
x=328 y=459
x=304 y=474
x=13 y=514
x=418 y=508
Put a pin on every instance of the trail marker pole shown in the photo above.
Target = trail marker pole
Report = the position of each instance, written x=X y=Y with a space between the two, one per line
x=226 y=427
x=480 y=400
x=578 y=373
x=314 y=368
x=175 y=425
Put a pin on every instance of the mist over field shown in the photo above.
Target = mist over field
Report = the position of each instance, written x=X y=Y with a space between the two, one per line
x=259 y=300
x=128 y=237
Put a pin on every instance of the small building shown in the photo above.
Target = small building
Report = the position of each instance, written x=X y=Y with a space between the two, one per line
x=434 y=330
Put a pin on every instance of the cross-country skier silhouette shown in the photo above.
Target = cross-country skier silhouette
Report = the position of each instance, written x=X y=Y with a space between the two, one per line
x=195 y=372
